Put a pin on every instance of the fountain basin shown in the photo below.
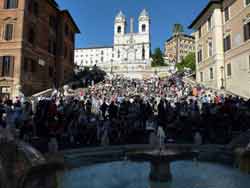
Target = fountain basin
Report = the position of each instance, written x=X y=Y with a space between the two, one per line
x=127 y=174
x=160 y=161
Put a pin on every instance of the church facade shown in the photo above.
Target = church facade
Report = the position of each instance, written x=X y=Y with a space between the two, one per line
x=129 y=48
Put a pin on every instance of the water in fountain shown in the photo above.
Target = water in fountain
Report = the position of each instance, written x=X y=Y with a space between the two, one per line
x=130 y=175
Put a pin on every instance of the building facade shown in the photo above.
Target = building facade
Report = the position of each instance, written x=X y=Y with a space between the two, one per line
x=178 y=45
x=37 y=42
x=222 y=42
x=93 y=56
x=129 y=48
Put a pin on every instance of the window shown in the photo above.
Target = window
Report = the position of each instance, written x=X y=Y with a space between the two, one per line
x=72 y=36
x=65 y=51
x=201 y=76
x=51 y=71
x=118 y=54
x=8 y=34
x=143 y=52
x=31 y=36
x=211 y=71
x=33 y=7
x=247 y=31
x=66 y=29
x=226 y=14
x=229 y=69
x=199 y=56
x=52 y=46
x=199 y=32
x=10 y=4
x=52 y=22
x=33 y=66
x=227 y=43
x=7 y=66
x=209 y=23
x=247 y=2
x=119 y=29
x=143 y=28
x=36 y=8
x=210 y=48
x=26 y=65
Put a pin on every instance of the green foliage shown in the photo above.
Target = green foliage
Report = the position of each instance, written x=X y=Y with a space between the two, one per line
x=187 y=62
x=178 y=28
x=158 y=59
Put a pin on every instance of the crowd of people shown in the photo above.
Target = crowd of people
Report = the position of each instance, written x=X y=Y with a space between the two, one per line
x=120 y=111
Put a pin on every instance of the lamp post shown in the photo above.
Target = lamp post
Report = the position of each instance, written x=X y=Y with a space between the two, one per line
x=222 y=77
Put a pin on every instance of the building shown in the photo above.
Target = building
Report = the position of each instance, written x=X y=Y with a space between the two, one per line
x=129 y=48
x=93 y=56
x=37 y=42
x=180 y=44
x=222 y=42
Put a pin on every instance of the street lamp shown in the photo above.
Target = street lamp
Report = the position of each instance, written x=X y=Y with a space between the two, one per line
x=222 y=77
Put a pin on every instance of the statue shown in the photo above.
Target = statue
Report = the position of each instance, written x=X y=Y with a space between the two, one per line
x=161 y=135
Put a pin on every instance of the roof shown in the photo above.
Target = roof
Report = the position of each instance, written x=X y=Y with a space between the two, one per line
x=210 y=3
x=144 y=13
x=72 y=20
x=120 y=14
x=54 y=4
x=94 y=47
x=184 y=35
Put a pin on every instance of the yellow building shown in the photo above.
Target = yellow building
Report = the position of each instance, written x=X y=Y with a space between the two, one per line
x=222 y=44
x=181 y=44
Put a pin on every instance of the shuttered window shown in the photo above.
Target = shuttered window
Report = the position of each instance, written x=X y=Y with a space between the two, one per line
x=227 y=43
x=10 y=4
x=8 y=34
x=211 y=73
x=30 y=65
x=226 y=14
x=201 y=76
x=229 y=69
x=199 y=56
x=247 y=31
x=52 y=46
x=7 y=66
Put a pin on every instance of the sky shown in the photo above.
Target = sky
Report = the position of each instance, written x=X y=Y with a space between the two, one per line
x=95 y=18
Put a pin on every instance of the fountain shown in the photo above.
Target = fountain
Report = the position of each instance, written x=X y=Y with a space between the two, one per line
x=127 y=174
x=160 y=161
x=21 y=166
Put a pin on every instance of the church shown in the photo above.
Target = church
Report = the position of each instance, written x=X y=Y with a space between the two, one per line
x=129 y=48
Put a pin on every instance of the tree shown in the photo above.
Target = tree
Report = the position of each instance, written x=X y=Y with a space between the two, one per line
x=157 y=57
x=187 y=62
x=178 y=28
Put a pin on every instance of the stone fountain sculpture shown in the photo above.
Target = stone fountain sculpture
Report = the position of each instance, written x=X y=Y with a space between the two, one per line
x=21 y=166
x=160 y=161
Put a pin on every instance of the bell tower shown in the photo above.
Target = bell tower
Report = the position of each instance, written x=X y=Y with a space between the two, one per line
x=120 y=24
x=144 y=22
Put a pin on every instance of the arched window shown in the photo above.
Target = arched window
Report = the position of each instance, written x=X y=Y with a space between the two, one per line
x=143 y=28
x=119 y=29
